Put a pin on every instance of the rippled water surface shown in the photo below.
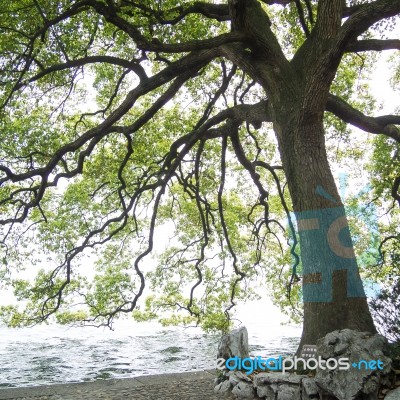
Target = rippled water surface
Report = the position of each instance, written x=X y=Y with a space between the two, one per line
x=54 y=354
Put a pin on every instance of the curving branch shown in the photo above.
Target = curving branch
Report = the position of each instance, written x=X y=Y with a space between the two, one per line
x=132 y=65
x=219 y=12
x=363 y=17
x=194 y=45
x=396 y=189
x=385 y=124
x=191 y=62
x=191 y=160
x=95 y=135
x=325 y=59
x=155 y=45
x=232 y=129
x=204 y=227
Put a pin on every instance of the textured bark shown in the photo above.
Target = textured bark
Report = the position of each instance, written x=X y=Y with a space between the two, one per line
x=298 y=93
x=333 y=294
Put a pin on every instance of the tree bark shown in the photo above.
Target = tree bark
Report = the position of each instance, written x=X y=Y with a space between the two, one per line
x=298 y=92
x=332 y=288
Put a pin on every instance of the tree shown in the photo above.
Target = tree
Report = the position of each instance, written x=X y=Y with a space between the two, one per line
x=249 y=79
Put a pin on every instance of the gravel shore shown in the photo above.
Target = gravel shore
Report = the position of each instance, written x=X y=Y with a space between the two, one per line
x=179 y=386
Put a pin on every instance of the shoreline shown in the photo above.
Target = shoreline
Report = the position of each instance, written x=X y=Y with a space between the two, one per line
x=172 y=386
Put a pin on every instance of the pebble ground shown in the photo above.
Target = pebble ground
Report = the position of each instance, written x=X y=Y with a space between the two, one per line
x=181 y=386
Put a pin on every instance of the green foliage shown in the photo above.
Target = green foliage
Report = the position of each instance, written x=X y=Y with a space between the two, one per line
x=70 y=317
x=130 y=181
x=11 y=316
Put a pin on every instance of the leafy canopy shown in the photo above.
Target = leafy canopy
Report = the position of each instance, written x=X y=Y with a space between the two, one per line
x=138 y=154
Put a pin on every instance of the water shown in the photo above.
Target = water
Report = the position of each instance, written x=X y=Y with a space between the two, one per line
x=54 y=354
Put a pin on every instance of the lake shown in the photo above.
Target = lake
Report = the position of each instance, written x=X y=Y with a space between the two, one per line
x=55 y=354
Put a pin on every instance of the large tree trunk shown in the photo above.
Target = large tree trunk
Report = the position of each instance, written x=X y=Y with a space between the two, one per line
x=297 y=92
x=332 y=289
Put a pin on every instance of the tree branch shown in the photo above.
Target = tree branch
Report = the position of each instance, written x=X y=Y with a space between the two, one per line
x=185 y=67
x=156 y=45
x=302 y=18
x=281 y=2
x=373 y=45
x=364 y=17
x=131 y=65
x=384 y=124
x=249 y=18
x=348 y=11
x=219 y=12
x=395 y=189
x=329 y=18
x=193 y=45
x=192 y=61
